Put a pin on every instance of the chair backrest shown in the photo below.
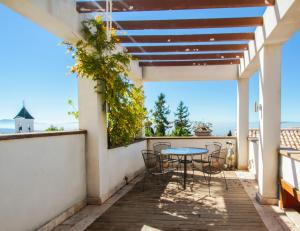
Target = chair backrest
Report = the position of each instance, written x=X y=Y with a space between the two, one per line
x=214 y=150
x=157 y=147
x=150 y=159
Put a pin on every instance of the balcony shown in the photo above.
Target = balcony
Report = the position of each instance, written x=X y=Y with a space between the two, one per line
x=73 y=181
x=52 y=172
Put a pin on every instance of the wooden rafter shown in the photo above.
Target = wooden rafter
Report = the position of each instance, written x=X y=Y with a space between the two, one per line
x=154 y=5
x=189 y=23
x=187 y=38
x=191 y=56
x=187 y=48
x=191 y=63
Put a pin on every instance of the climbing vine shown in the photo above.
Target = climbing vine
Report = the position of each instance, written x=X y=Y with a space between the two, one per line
x=98 y=58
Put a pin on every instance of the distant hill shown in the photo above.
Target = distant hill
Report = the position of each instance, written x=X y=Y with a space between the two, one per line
x=3 y=121
x=7 y=126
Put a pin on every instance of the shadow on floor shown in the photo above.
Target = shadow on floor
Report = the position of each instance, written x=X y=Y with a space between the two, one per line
x=166 y=206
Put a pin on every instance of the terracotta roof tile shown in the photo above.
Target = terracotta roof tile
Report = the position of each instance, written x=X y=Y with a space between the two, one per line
x=290 y=137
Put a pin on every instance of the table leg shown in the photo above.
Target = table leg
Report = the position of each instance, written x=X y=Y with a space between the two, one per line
x=184 y=173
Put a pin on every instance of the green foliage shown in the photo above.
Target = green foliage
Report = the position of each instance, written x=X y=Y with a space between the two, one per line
x=182 y=126
x=229 y=133
x=75 y=112
x=161 y=111
x=98 y=58
x=149 y=131
x=52 y=128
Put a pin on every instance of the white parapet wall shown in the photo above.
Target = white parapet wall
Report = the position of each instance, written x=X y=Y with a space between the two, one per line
x=195 y=142
x=126 y=161
x=289 y=169
x=253 y=156
x=42 y=175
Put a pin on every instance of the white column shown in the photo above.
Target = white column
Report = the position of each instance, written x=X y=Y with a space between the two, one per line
x=270 y=117
x=93 y=119
x=242 y=122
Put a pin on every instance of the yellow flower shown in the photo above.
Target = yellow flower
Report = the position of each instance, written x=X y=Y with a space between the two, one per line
x=98 y=18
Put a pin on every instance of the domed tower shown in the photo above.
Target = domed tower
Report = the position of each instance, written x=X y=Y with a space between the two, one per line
x=24 y=122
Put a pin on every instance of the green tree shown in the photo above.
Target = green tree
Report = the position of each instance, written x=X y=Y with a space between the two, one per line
x=149 y=131
x=182 y=126
x=161 y=111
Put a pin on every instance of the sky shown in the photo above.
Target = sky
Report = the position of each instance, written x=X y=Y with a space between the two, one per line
x=34 y=68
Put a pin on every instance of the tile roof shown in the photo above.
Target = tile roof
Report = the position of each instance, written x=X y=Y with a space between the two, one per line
x=24 y=114
x=290 y=137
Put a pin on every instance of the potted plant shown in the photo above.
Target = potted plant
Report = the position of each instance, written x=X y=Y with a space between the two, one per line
x=202 y=129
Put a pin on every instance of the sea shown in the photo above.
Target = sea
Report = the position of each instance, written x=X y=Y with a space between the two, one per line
x=7 y=126
x=219 y=128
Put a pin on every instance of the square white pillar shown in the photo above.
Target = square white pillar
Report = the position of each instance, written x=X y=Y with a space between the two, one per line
x=92 y=118
x=242 y=123
x=269 y=121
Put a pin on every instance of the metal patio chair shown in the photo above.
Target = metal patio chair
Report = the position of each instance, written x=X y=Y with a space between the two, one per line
x=211 y=165
x=153 y=165
x=158 y=147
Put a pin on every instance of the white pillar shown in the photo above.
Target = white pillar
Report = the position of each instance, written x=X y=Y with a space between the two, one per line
x=242 y=122
x=93 y=119
x=270 y=117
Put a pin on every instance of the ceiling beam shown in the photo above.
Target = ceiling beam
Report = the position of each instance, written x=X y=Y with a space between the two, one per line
x=187 y=48
x=189 y=23
x=191 y=63
x=154 y=5
x=186 y=38
x=190 y=56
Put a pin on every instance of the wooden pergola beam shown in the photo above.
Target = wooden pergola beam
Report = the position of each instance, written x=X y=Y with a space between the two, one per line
x=154 y=5
x=187 y=48
x=189 y=23
x=190 y=56
x=191 y=63
x=186 y=38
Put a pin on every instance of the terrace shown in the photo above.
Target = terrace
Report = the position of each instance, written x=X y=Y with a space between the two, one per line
x=65 y=171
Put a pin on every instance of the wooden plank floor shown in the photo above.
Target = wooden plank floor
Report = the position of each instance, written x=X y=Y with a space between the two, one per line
x=166 y=206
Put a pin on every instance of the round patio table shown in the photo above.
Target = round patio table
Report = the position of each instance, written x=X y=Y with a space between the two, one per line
x=184 y=152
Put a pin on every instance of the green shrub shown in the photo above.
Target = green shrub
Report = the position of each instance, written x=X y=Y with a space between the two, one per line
x=98 y=59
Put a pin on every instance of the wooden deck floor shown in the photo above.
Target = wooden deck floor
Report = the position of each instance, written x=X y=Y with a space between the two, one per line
x=167 y=207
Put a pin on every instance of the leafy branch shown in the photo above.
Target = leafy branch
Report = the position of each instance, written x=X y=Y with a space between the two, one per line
x=98 y=58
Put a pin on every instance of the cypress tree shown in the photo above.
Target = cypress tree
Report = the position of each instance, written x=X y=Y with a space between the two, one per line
x=182 y=123
x=161 y=111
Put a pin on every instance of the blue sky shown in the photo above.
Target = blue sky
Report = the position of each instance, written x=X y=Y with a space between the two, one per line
x=34 y=68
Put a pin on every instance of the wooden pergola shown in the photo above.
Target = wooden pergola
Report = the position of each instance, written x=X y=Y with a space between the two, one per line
x=191 y=56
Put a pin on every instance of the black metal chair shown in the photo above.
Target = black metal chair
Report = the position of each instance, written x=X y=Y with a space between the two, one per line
x=154 y=166
x=158 y=147
x=211 y=165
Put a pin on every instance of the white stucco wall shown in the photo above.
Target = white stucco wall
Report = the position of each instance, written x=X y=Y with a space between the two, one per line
x=196 y=142
x=190 y=73
x=253 y=157
x=25 y=124
x=121 y=162
x=289 y=169
x=40 y=177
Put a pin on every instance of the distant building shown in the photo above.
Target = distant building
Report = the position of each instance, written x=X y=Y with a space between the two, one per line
x=24 y=122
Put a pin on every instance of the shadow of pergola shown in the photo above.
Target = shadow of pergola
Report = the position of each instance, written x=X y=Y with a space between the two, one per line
x=166 y=206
